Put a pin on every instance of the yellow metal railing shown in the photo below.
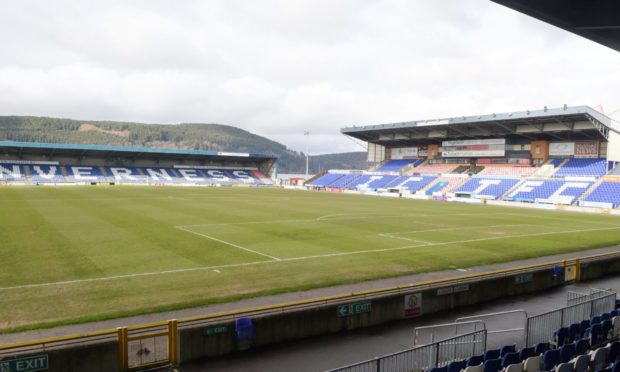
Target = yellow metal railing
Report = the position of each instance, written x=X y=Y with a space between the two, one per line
x=169 y=329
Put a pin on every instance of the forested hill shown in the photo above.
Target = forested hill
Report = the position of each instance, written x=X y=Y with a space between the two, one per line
x=214 y=137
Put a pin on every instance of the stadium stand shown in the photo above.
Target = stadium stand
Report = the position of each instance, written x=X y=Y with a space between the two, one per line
x=44 y=173
x=487 y=188
x=606 y=195
x=435 y=168
x=507 y=170
x=11 y=172
x=583 y=168
x=397 y=165
x=410 y=183
x=548 y=191
x=325 y=180
x=344 y=181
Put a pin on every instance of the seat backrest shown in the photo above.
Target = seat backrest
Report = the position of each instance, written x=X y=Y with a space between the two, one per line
x=526 y=352
x=475 y=360
x=615 y=321
x=457 y=366
x=595 y=320
x=581 y=363
x=613 y=351
x=583 y=325
x=510 y=358
x=581 y=347
x=573 y=331
x=596 y=334
x=598 y=358
x=561 y=336
x=492 y=365
x=616 y=367
x=605 y=316
x=491 y=354
x=541 y=348
x=517 y=367
x=567 y=352
x=606 y=326
x=532 y=364
x=477 y=368
x=507 y=349
x=564 y=367
x=551 y=358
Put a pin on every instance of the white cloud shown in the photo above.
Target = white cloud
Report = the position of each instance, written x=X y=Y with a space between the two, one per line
x=280 y=67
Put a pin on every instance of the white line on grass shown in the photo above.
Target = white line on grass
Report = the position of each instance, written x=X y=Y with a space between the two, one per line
x=283 y=260
x=228 y=243
x=403 y=238
x=559 y=219
x=364 y=216
x=452 y=228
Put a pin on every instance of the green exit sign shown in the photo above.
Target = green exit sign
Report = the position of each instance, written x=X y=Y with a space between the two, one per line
x=28 y=364
x=352 y=309
x=211 y=331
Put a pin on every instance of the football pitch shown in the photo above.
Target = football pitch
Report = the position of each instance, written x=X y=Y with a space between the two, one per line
x=77 y=254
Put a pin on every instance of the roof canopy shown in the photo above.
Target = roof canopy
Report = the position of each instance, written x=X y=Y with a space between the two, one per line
x=597 y=20
x=76 y=150
x=553 y=124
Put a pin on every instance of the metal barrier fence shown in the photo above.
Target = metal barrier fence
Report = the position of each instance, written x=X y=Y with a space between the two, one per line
x=428 y=334
x=501 y=324
x=421 y=358
x=540 y=328
x=573 y=297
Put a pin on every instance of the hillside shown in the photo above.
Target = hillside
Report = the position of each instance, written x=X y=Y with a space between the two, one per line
x=214 y=137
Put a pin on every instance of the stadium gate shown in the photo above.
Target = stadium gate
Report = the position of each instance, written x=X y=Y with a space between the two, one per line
x=148 y=346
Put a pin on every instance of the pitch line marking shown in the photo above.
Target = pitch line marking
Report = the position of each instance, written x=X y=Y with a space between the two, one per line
x=228 y=243
x=452 y=228
x=558 y=219
x=403 y=238
x=322 y=218
x=253 y=263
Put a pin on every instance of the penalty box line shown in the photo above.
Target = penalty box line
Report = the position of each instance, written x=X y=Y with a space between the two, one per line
x=227 y=243
x=293 y=259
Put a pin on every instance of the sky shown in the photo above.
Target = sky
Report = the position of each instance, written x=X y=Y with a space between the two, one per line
x=279 y=68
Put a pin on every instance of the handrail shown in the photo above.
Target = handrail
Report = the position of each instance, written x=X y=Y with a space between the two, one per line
x=327 y=300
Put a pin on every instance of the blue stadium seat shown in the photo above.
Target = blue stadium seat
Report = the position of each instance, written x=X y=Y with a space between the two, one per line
x=613 y=352
x=486 y=187
x=607 y=194
x=510 y=358
x=475 y=360
x=457 y=366
x=551 y=358
x=411 y=183
x=326 y=179
x=491 y=354
x=492 y=365
x=526 y=352
x=567 y=352
x=549 y=191
x=560 y=337
x=397 y=165
x=507 y=349
x=573 y=332
x=581 y=346
x=540 y=348
x=583 y=168
x=439 y=369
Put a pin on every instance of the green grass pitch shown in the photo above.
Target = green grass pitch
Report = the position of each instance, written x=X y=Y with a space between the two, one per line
x=76 y=254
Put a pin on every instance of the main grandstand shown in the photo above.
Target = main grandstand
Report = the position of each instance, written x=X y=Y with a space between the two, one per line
x=563 y=156
x=58 y=164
